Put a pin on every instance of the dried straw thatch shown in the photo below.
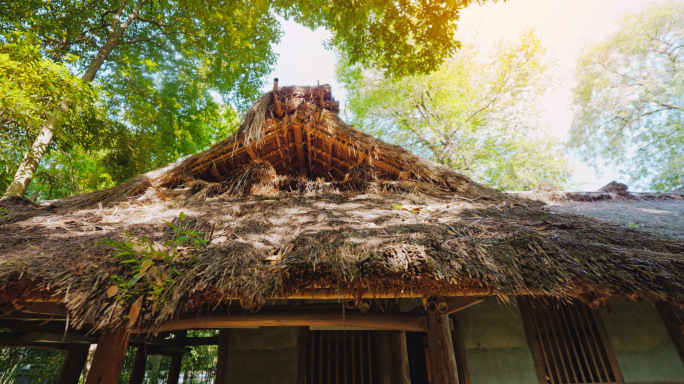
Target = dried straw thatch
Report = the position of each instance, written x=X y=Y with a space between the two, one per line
x=299 y=204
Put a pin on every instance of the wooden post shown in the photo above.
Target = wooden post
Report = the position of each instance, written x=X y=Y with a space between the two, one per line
x=384 y=363
x=460 y=351
x=222 y=359
x=177 y=359
x=73 y=365
x=399 y=357
x=442 y=360
x=279 y=108
x=138 y=370
x=109 y=357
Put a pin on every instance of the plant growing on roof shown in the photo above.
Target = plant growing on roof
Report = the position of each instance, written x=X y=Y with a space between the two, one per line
x=152 y=268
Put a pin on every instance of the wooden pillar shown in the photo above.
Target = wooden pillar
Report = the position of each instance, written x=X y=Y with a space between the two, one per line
x=176 y=359
x=109 y=357
x=383 y=361
x=222 y=359
x=442 y=360
x=138 y=370
x=396 y=342
x=73 y=365
x=460 y=351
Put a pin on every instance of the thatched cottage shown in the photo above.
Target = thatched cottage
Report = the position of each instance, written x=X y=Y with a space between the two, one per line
x=324 y=255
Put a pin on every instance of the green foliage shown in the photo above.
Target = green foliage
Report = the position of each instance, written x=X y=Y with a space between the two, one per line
x=32 y=88
x=28 y=365
x=629 y=105
x=474 y=114
x=398 y=37
x=152 y=266
x=172 y=72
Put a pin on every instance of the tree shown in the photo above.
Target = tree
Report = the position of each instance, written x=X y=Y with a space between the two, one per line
x=160 y=60
x=475 y=114
x=629 y=100
x=32 y=88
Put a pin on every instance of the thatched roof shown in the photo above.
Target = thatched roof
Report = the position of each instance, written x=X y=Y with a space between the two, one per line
x=300 y=205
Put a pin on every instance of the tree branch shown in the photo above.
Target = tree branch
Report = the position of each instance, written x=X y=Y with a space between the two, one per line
x=668 y=105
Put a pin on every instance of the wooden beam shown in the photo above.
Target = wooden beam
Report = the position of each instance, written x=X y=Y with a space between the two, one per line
x=328 y=150
x=251 y=153
x=298 y=318
x=14 y=340
x=138 y=369
x=299 y=143
x=399 y=357
x=109 y=357
x=49 y=308
x=309 y=163
x=297 y=123
x=279 y=108
x=222 y=359
x=674 y=324
x=176 y=359
x=41 y=337
x=459 y=303
x=440 y=350
x=73 y=365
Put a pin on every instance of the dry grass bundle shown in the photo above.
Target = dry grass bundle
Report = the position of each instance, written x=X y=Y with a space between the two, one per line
x=362 y=172
x=258 y=178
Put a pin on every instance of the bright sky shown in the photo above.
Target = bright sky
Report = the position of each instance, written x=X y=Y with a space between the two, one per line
x=565 y=26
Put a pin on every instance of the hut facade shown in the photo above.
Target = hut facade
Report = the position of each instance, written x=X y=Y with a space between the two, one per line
x=305 y=251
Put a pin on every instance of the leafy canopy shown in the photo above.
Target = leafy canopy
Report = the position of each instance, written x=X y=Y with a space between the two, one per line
x=629 y=101
x=398 y=37
x=169 y=71
x=32 y=88
x=474 y=114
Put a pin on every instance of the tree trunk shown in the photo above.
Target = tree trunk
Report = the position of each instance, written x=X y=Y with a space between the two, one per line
x=33 y=157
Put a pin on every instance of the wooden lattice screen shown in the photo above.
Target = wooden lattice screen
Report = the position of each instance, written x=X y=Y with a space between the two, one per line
x=569 y=343
x=339 y=357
